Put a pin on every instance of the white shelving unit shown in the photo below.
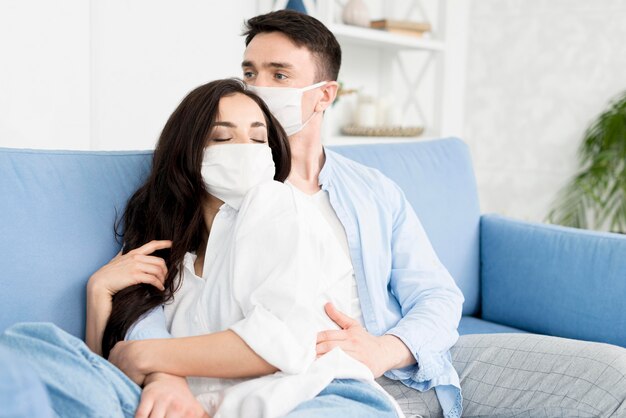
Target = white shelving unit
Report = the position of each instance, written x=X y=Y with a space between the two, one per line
x=423 y=77
x=378 y=38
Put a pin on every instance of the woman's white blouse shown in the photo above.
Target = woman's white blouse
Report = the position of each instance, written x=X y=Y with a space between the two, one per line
x=268 y=271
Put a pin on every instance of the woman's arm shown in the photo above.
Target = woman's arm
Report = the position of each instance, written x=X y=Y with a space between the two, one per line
x=98 y=312
x=136 y=266
x=222 y=354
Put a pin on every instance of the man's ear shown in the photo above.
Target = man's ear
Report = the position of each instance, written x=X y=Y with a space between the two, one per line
x=329 y=91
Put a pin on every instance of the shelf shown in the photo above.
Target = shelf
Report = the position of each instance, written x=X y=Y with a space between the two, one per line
x=354 y=140
x=379 y=38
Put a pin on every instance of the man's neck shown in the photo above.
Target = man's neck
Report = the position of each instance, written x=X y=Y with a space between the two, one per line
x=307 y=160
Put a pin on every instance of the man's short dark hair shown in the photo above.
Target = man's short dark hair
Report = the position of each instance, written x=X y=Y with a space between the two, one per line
x=302 y=30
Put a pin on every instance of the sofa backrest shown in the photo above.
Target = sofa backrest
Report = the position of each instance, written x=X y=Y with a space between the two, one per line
x=57 y=211
x=438 y=180
x=58 y=208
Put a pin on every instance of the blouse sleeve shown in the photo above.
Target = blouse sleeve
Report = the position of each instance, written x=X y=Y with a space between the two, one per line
x=273 y=273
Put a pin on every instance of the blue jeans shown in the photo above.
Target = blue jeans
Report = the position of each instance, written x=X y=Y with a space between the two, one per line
x=80 y=383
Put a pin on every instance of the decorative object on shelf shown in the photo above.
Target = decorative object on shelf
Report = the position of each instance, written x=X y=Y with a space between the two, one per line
x=402 y=27
x=598 y=191
x=297 y=5
x=355 y=13
x=366 y=111
x=391 y=131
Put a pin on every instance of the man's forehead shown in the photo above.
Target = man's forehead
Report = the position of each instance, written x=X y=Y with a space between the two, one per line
x=275 y=47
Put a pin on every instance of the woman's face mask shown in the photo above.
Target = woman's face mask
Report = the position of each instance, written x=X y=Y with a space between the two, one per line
x=229 y=171
x=285 y=103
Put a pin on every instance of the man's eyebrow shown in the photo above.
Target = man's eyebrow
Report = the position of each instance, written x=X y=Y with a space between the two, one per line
x=278 y=65
x=285 y=65
x=257 y=124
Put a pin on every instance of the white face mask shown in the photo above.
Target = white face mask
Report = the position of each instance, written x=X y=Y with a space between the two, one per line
x=230 y=171
x=285 y=103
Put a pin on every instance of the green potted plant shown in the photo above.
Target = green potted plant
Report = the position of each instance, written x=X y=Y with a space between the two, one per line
x=596 y=196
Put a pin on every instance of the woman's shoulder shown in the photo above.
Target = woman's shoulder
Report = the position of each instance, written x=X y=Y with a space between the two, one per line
x=270 y=199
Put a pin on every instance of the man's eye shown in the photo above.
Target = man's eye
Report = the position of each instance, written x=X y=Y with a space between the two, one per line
x=248 y=74
x=280 y=76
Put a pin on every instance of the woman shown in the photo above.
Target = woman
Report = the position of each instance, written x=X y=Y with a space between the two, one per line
x=244 y=273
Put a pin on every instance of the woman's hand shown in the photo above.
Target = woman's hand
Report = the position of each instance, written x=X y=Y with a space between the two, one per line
x=166 y=395
x=131 y=357
x=135 y=267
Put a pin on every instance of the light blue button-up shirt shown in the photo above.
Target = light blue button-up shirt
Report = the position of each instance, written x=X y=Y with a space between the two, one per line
x=403 y=288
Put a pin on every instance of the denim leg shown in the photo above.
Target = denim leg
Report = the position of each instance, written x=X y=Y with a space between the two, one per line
x=79 y=383
x=346 y=398
x=21 y=392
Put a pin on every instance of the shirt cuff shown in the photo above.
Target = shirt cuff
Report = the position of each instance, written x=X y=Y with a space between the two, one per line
x=149 y=326
x=275 y=341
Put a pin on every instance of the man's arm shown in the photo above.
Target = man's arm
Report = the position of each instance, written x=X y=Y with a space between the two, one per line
x=429 y=297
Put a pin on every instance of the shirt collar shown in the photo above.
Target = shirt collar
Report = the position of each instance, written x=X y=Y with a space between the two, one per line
x=327 y=168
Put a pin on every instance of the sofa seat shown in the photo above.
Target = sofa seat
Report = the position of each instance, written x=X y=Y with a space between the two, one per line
x=473 y=325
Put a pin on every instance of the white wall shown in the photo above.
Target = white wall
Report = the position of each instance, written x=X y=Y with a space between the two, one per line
x=106 y=74
x=538 y=72
x=44 y=73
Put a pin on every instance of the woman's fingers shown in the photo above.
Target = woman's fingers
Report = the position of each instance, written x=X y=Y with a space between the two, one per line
x=150 y=259
x=151 y=247
x=145 y=406
x=152 y=269
x=149 y=279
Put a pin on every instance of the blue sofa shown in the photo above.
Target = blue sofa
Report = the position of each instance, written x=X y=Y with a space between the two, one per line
x=57 y=210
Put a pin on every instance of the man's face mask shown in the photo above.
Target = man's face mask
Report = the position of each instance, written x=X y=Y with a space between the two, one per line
x=285 y=103
x=230 y=171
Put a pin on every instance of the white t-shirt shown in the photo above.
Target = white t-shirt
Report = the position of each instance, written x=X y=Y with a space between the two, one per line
x=321 y=200
x=268 y=271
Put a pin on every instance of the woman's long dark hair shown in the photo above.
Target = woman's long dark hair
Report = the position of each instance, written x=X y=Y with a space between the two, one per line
x=169 y=204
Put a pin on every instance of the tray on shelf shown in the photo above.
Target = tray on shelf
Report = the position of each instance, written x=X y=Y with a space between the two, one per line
x=355 y=130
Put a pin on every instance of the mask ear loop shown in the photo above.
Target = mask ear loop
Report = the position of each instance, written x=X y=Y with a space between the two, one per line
x=314 y=86
x=311 y=87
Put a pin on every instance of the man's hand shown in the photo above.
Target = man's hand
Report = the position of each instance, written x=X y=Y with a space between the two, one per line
x=166 y=395
x=378 y=353
x=130 y=358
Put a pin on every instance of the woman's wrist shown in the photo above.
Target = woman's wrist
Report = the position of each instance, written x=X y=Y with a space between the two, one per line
x=95 y=291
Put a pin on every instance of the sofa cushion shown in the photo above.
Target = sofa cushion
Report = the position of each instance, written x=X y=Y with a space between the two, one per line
x=473 y=325
x=57 y=211
x=438 y=180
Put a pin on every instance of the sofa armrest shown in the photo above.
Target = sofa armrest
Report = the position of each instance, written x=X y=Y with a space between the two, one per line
x=553 y=280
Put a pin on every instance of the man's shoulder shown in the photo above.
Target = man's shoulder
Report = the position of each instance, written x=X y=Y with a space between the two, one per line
x=368 y=177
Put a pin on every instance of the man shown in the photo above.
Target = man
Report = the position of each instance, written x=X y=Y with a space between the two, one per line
x=396 y=269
